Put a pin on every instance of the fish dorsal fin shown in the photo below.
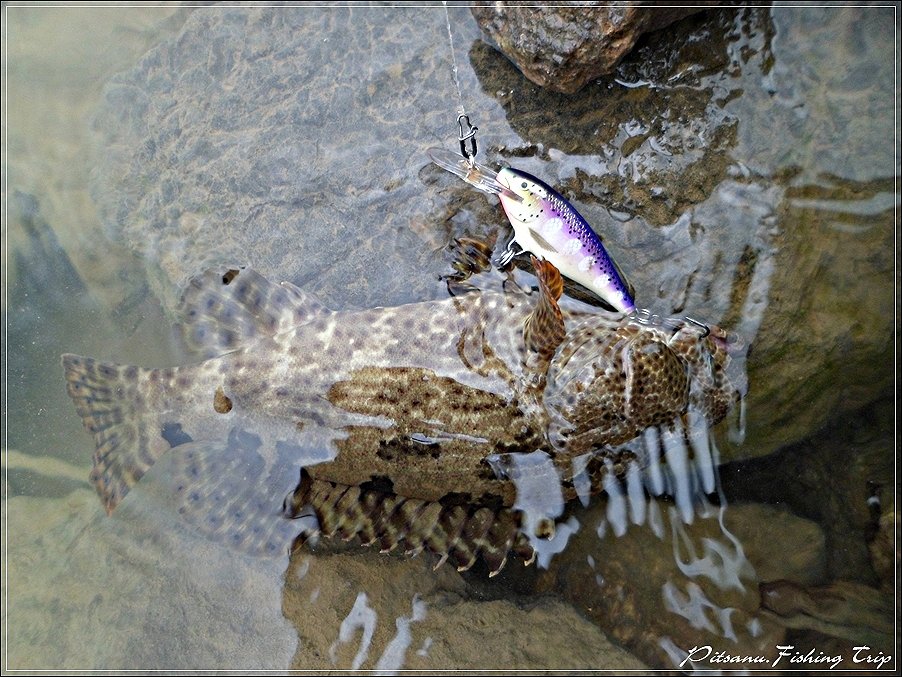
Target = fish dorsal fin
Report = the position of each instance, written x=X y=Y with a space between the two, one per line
x=227 y=307
x=459 y=534
x=544 y=330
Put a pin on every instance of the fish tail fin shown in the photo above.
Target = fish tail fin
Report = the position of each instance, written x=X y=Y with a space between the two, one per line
x=106 y=397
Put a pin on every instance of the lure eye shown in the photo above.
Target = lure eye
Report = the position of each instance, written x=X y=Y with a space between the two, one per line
x=523 y=185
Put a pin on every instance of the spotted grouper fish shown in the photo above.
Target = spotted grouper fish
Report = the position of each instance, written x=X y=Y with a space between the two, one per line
x=405 y=425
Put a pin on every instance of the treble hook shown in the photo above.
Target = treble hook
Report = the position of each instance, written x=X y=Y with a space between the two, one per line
x=468 y=133
x=509 y=254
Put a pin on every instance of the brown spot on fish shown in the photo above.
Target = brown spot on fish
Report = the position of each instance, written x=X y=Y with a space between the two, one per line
x=229 y=338
x=378 y=483
x=545 y=529
x=371 y=450
x=221 y=403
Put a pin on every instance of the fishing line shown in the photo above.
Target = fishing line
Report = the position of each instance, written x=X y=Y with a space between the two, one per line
x=460 y=97
x=466 y=130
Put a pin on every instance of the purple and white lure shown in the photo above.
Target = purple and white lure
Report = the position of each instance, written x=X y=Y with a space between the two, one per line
x=546 y=225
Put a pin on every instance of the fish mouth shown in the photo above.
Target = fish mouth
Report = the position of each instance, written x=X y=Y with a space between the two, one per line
x=504 y=186
x=730 y=342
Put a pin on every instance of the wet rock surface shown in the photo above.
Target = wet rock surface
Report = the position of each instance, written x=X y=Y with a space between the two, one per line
x=406 y=615
x=846 y=610
x=288 y=136
x=119 y=595
x=665 y=586
x=564 y=48
x=884 y=557
x=841 y=479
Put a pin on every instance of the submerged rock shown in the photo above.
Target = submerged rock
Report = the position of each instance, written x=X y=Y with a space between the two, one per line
x=882 y=547
x=290 y=138
x=92 y=593
x=664 y=587
x=844 y=609
x=838 y=478
x=383 y=612
x=564 y=47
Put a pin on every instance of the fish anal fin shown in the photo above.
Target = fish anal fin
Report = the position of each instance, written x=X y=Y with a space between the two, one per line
x=226 y=308
x=544 y=330
x=233 y=492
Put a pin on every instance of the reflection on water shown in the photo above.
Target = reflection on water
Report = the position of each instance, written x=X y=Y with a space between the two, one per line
x=739 y=170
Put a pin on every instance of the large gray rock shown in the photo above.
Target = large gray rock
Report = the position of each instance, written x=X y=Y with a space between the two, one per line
x=565 y=47
x=289 y=138
x=293 y=139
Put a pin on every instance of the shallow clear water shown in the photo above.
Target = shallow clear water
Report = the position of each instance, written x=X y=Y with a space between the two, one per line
x=742 y=168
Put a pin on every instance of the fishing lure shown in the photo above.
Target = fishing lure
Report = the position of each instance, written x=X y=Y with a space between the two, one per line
x=546 y=225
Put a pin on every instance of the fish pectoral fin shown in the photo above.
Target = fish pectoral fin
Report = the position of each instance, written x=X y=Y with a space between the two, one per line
x=544 y=330
x=225 y=308
x=471 y=257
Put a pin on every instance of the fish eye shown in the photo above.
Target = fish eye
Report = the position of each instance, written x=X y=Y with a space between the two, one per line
x=523 y=185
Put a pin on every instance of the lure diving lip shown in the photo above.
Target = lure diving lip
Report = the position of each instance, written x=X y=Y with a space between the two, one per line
x=546 y=225
x=477 y=175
